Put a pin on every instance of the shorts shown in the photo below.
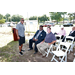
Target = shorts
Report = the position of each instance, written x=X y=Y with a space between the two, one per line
x=21 y=40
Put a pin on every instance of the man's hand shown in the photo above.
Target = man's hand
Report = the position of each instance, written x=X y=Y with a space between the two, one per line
x=52 y=42
x=18 y=37
x=35 y=39
x=49 y=43
x=41 y=42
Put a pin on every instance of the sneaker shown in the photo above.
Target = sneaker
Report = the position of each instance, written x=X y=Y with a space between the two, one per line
x=22 y=50
x=20 y=53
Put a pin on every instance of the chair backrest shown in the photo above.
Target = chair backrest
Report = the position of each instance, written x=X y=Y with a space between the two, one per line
x=69 y=39
x=58 y=37
x=66 y=44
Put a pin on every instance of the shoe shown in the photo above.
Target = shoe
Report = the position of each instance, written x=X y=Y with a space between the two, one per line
x=20 y=53
x=35 y=52
x=29 y=49
x=22 y=50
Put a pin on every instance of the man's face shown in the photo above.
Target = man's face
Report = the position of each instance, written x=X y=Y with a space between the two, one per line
x=41 y=28
x=62 y=28
x=48 y=30
x=22 y=21
x=73 y=28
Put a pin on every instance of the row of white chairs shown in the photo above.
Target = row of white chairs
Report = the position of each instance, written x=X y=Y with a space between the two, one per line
x=62 y=48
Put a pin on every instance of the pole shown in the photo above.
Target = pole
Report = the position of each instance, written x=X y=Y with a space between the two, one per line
x=27 y=16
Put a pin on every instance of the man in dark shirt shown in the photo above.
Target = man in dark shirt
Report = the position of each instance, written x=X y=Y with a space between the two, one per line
x=37 y=38
x=49 y=39
x=72 y=33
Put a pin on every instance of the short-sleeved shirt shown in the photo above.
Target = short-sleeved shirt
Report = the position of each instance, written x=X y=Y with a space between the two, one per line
x=20 y=27
x=50 y=38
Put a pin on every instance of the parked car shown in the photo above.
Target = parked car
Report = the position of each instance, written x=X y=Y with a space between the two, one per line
x=0 y=25
x=68 y=25
x=49 y=24
x=4 y=25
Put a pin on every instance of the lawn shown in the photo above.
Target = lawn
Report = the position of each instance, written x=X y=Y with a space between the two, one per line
x=7 y=52
x=10 y=53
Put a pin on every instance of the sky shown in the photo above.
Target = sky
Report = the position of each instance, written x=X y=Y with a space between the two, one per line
x=26 y=14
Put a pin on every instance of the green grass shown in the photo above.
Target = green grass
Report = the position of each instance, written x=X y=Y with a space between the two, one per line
x=6 y=51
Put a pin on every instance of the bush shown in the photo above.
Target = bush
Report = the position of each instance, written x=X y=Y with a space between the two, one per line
x=2 y=21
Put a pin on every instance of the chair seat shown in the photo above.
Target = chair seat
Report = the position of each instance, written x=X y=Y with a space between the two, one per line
x=59 y=53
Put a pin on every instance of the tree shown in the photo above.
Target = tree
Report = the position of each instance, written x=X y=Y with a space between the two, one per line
x=73 y=17
x=56 y=16
x=43 y=18
x=33 y=18
x=16 y=18
x=70 y=16
x=7 y=16
x=1 y=16
x=63 y=13
x=2 y=21
x=40 y=18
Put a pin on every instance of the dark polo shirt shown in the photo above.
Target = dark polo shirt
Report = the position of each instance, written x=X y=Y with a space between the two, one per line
x=50 y=38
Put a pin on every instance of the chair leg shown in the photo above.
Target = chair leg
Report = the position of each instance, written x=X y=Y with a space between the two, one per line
x=62 y=60
x=48 y=51
x=52 y=57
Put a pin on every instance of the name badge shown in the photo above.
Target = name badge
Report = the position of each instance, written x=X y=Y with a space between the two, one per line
x=41 y=34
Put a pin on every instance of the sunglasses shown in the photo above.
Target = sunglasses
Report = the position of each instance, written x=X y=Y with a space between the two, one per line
x=22 y=20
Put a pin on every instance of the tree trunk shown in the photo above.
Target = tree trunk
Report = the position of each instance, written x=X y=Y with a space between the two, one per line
x=57 y=22
x=63 y=20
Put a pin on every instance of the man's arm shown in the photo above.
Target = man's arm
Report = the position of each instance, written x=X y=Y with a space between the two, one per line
x=35 y=34
x=72 y=34
x=17 y=34
x=52 y=42
x=42 y=41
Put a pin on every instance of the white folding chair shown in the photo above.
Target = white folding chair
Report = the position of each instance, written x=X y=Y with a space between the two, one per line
x=74 y=60
x=50 y=49
x=73 y=44
x=58 y=40
x=69 y=40
x=60 y=53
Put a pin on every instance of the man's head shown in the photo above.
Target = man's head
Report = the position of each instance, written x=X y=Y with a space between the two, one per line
x=62 y=28
x=73 y=28
x=22 y=20
x=48 y=29
x=41 y=27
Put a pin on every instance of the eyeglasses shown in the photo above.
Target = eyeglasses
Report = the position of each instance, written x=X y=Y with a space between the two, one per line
x=22 y=20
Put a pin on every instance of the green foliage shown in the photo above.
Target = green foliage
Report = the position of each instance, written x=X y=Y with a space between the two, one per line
x=1 y=16
x=33 y=18
x=2 y=21
x=40 y=18
x=43 y=18
x=16 y=18
x=57 y=16
x=7 y=17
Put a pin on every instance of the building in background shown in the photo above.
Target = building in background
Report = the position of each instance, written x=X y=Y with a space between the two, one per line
x=31 y=25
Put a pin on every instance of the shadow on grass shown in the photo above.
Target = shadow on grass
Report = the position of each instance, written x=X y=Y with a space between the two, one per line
x=7 y=51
